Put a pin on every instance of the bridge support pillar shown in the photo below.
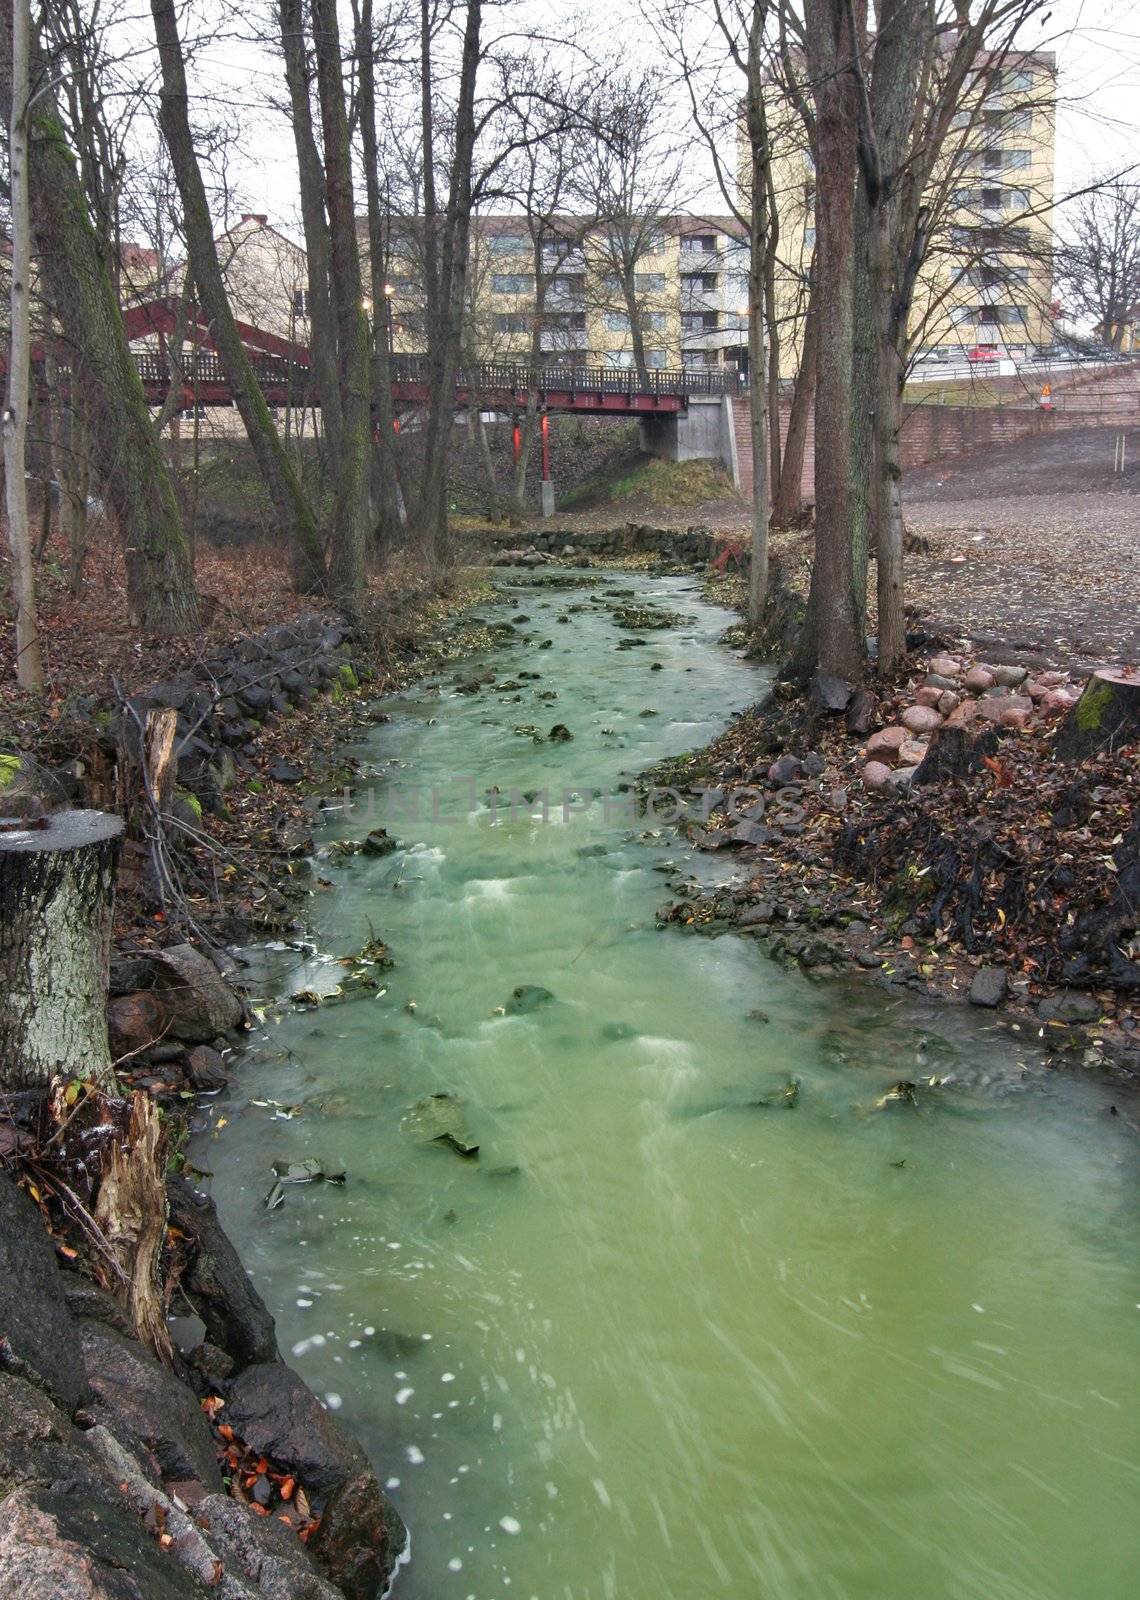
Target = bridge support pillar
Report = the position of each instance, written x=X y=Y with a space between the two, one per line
x=547 y=498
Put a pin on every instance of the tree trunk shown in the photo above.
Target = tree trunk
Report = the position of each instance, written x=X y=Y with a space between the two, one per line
x=350 y=528
x=56 y=888
x=131 y=1211
x=29 y=662
x=384 y=476
x=311 y=176
x=81 y=289
x=832 y=639
x=1106 y=716
x=761 y=267
x=789 y=499
x=274 y=464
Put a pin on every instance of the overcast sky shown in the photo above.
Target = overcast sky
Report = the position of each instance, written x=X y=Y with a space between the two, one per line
x=1097 y=43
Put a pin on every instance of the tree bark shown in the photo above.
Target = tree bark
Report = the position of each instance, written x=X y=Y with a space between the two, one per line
x=80 y=287
x=56 y=890
x=760 y=272
x=29 y=661
x=789 y=498
x=273 y=463
x=311 y=178
x=832 y=640
x=350 y=528
x=1107 y=715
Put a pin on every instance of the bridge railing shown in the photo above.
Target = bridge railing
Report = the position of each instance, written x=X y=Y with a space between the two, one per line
x=489 y=378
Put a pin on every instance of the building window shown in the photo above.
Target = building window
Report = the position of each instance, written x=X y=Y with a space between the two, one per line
x=655 y=359
x=1015 y=316
x=989 y=316
x=300 y=302
x=508 y=244
x=809 y=238
x=700 y=322
x=653 y=320
x=567 y=285
x=654 y=244
x=649 y=282
x=617 y=322
x=511 y=322
x=512 y=283
x=698 y=244
x=1017 y=158
x=1016 y=82
x=619 y=358
x=1018 y=199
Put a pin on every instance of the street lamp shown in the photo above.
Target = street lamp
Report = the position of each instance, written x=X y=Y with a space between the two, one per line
x=389 y=291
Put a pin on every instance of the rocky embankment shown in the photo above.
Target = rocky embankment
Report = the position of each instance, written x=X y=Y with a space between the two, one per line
x=694 y=546
x=961 y=834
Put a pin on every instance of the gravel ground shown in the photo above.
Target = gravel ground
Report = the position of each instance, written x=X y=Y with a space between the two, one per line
x=1051 y=540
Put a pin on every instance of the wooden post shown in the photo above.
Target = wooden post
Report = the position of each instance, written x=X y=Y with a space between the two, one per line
x=57 y=883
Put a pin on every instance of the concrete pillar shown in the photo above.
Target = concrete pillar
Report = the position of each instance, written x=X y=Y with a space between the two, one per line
x=547 y=497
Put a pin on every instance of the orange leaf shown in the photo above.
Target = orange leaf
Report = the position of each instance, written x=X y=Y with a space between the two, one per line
x=287 y=1489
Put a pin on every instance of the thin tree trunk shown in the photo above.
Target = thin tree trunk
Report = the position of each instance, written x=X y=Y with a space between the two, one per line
x=384 y=443
x=350 y=530
x=789 y=500
x=274 y=464
x=771 y=318
x=311 y=178
x=29 y=661
x=759 y=270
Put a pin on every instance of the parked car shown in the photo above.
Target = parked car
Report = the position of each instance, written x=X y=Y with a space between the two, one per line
x=984 y=352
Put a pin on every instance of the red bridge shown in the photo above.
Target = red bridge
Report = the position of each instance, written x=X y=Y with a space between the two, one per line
x=283 y=371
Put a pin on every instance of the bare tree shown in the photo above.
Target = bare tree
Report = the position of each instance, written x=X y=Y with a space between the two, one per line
x=79 y=286
x=29 y=661
x=1098 y=266
x=274 y=464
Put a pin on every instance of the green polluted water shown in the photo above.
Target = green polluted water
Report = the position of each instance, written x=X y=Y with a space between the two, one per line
x=657 y=1339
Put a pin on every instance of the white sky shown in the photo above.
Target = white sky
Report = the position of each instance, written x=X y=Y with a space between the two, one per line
x=1097 y=43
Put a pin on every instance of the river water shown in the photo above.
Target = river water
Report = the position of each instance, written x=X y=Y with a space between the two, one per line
x=657 y=1342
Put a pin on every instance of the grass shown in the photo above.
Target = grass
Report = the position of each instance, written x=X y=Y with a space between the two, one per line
x=678 y=485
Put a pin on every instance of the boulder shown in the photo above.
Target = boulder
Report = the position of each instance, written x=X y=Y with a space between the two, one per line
x=216 y=1283
x=886 y=743
x=141 y=1402
x=978 y=680
x=1008 y=677
x=1069 y=1006
x=920 y=719
x=37 y=1337
x=875 y=775
x=135 y=1021
x=378 y=843
x=201 y=1005
x=989 y=987
x=279 y=1416
x=784 y=771
x=1055 y=701
x=928 y=695
x=944 y=666
x=861 y=710
x=912 y=752
x=901 y=778
x=992 y=707
x=947 y=702
x=1013 y=717
x=963 y=715
x=270 y=1555
x=831 y=693
x=360 y=1538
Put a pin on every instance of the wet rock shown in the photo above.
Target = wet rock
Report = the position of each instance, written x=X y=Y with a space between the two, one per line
x=216 y=1283
x=378 y=843
x=920 y=719
x=129 y=973
x=757 y=915
x=37 y=1337
x=201 y=1005
x=278 y=1416
x=278 y=1566
x=135 y=1021
x=560 y=734
x=360 y=1538
x=139 y=1400
x=439 y=1119
x=1069 y=1006
x=285 y=772
x=206 y=1069
x=989 y=987
x=527 y=997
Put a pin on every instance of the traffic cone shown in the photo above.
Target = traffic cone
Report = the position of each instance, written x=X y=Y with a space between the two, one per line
x=1046 y=401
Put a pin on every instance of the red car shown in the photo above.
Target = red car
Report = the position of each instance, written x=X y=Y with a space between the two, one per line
x=983 y=352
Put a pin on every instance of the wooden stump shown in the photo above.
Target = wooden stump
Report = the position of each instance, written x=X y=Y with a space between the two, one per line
x=56 y=894
x=1107 y=714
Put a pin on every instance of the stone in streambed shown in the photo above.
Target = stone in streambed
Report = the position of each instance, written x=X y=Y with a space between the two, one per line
x=989 y=987
x=201 y=1005
x=378 y=843
x=135 y=1021
x=526 y=998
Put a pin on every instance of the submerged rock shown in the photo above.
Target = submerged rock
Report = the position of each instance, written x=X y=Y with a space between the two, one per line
x=439 y=1119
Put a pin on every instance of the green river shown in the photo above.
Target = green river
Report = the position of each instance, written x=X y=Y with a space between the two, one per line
x=656 y=1343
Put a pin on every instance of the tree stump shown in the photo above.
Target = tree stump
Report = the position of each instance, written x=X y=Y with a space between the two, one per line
x=1107 y=714
x=57 y=881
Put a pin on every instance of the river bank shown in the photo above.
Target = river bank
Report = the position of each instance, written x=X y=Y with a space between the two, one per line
x=535 y=1336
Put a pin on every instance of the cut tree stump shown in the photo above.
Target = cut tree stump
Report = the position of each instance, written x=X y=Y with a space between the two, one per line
x=1107 y=714
x=57 y=880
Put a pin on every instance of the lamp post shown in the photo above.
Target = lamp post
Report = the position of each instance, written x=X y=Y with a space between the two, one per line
x=389 y=291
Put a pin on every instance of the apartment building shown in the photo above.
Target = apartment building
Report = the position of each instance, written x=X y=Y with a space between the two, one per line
x=689 y=285
x=987 y=280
